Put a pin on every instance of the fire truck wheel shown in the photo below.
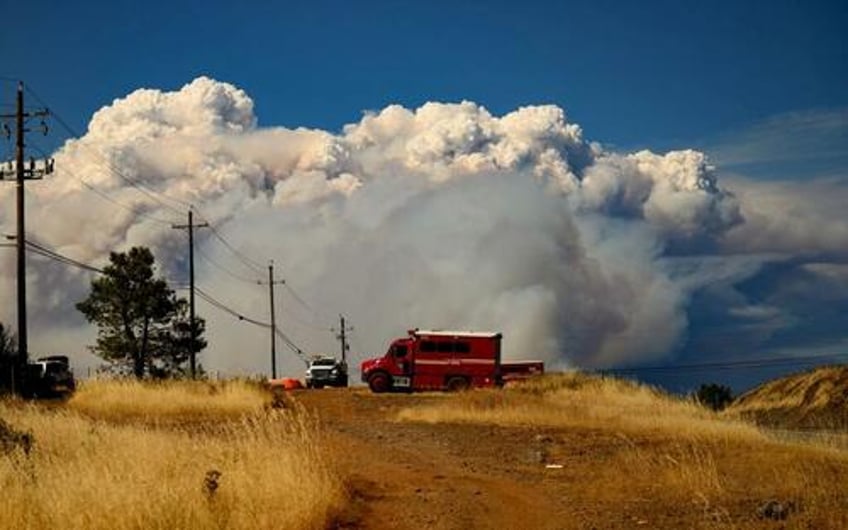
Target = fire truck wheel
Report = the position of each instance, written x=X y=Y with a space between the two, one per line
x=457 y=384
x=379 y=383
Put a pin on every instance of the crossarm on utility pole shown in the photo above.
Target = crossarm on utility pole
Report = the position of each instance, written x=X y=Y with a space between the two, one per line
x=342 y=337
x=191 y=322
x=22 y=174
x=271 y=283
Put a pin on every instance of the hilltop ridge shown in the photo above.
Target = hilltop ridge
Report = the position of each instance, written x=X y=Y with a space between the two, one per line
x=815 y=399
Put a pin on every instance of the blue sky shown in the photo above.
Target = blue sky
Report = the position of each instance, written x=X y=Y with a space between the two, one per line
x=760 y=86
x=660 y=73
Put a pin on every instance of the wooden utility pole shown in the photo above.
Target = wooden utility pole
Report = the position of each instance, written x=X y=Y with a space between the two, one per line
x=271 y=283
x=342 y=337
x=273 y=322
x=191 y=322
x=22 y=174
x=20 y=239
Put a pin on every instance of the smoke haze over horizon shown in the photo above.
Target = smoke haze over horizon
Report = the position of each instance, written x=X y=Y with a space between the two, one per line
x=443 y=216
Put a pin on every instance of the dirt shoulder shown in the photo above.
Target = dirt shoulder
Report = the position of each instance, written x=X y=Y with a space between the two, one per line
x=410 y=475
x=418 y=475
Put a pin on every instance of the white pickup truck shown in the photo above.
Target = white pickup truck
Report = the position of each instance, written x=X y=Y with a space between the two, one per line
x=326 y=371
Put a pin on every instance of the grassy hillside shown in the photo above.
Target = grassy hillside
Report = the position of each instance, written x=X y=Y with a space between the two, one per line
x=816 y=399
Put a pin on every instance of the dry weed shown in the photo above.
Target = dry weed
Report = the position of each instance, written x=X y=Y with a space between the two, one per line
x=91 y=473
x=167 y=401
x=673 y=452
x=579 y=400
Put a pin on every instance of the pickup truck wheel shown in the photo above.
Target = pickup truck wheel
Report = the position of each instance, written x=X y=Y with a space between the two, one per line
x=457 y=384
x=379 y=383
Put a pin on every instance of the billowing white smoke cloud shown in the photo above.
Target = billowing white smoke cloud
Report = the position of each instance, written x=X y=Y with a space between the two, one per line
x=440 y=217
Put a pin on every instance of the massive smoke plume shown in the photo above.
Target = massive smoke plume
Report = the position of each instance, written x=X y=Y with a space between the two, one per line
x=443 y=216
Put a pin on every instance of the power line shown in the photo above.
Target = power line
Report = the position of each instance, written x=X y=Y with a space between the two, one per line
x=52 y=254
x=46 y=252
x=129 y=208
x=728 y=365
x=300 y=300
x=307 y=306
x=360 y=351
x=63 y=261
x=288 y=342
x=342 y=337
x=106 y=197
x=666 y=369
x=249 y=263
x=271 y=284
x=191 y=319
x=22 y=174
x=225 y=270
x=223 y=307
x=156 y=196
x=303 y=322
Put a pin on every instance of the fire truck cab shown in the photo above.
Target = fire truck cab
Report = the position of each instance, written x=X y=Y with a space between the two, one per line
x=442 y=360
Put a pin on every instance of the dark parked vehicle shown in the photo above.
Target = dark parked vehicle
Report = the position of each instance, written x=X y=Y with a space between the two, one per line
x=50 y=377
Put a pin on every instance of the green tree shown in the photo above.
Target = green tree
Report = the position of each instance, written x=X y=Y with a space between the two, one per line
x=175 y=344
x=714 y=396
x=139 y=317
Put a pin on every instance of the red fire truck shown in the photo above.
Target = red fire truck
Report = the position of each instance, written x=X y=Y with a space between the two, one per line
x=444 y=360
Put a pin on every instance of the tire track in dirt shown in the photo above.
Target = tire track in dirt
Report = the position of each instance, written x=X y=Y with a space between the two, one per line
x=412 y=475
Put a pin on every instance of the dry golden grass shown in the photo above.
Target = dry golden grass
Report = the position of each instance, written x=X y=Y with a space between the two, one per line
x=181 y=401
x=705 y=485
x=86 y=471
x=815 y=399
x=670 y=455
x=814 y=389
x=578 y=400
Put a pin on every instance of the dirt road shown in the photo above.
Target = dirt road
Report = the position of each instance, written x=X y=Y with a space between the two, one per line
x=416 y=475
